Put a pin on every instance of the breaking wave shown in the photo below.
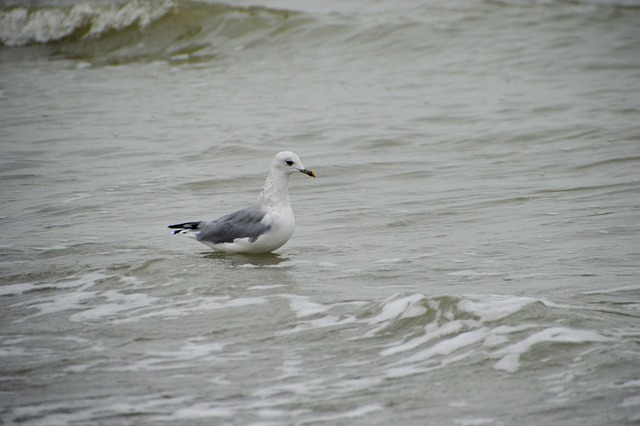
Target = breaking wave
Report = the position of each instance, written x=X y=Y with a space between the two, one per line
x=140 y=30
x=103 y=32
x=429 y=333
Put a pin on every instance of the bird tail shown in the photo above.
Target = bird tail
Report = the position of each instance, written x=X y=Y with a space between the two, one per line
x=184 y=227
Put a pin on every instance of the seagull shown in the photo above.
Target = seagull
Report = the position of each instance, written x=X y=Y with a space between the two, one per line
x=262 y=227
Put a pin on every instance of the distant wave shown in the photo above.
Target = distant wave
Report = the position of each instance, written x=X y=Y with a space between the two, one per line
x=21 y=26
x=139 y=29
x=110 y=32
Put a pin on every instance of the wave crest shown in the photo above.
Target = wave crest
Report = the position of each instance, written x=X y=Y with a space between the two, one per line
x=22 y=26
x=141 y=29
x=437 y=331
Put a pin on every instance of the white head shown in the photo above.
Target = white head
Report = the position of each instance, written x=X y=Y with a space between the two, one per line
x=288 y=163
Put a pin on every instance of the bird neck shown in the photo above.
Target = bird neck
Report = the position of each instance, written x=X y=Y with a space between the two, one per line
x=276 y=189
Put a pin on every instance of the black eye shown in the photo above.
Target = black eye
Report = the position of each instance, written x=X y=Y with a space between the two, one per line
x=289 y=163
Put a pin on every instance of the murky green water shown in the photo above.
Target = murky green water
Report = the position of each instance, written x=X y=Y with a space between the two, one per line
x=468 y=254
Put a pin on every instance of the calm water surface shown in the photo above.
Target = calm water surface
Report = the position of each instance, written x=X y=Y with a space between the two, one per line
x=469 y=254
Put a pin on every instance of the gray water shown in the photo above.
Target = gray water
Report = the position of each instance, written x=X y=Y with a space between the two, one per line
x=469 y=254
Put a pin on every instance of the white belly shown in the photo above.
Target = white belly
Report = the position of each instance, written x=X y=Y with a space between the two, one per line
x=281 y=229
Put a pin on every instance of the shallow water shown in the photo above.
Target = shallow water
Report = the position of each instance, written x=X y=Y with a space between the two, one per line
x=468 y=254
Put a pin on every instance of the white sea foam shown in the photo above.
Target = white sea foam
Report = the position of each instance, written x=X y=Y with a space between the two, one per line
x=11 y=351
x=396 y=307
x=453 y=336
x=351 y=414
x=14 y=289
x=474 y=421
x=81 y=294
x=322 y=322
x=328 y=265
x=303 y=306
x=187 y=307
x=265 y=287
x=118 y=302
x=86 y=302
x=474 y=274
x=86 y=412
x=612 y=290
x=293 y=387
x=389 y=260
x=494 y=307
x=432 y=331
x=80 y=368
x=199 y=348
x=446 y=347
x=83 y=282
x=76 y=197
x=399 y=371
x=510 y=355
x=20 y=26
x=630 y=384
x=632 y=401
x=49 y=305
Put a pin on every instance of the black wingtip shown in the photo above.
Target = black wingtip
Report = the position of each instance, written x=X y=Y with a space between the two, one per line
x=185 y=225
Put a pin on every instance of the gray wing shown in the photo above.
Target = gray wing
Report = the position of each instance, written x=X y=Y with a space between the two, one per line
x=245 y=223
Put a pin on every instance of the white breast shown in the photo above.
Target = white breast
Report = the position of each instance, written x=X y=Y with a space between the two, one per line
x=282 y=224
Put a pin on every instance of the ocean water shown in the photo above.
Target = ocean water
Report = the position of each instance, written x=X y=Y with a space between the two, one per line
x=469 y=254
